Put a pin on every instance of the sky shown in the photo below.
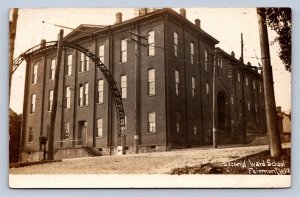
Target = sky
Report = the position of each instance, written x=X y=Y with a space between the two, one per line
x=225 y=24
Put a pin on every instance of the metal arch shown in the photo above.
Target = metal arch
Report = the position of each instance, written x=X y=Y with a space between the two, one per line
x=41 y=48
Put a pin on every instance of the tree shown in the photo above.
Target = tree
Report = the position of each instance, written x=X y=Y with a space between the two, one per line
x=15 y=122
x=280 y=20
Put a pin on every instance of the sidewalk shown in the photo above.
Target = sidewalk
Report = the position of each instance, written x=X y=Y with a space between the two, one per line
x=144 y=163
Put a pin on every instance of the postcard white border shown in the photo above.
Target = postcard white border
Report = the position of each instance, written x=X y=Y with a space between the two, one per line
x=149 y=181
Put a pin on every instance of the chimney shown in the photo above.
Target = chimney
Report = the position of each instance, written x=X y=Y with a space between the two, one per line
x=249 y=64
x=43 y=43
x=118 y=18
x=142 y=11
x=198 y=23
x=232 y=54
x=182 y=12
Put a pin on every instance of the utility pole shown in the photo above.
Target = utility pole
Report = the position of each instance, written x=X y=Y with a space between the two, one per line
x=242 y=48
x=271 y=115
x=12 y=36
x=55 y=95
x=136 y=39
x=215 y=142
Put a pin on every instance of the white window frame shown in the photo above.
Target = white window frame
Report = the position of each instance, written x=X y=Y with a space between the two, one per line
x=193 y=87
x=151 y=122
x=86 y=94
x=100 y=91
x=34 y=74
x=123 y=51
x=192 y=48
x=176 y=45
x=205 y=60
x=177 y=82
x=101 y=53
x=151 y=43
x=66 y=130
x=68 y=97
x=30 y=135
x=50 y=100
x=69 y=65
x=151 y=82
x=52 y=69
x=207 y=88
x=99 y=127
x=33 y=102
x=124 y=86
x=81 y=90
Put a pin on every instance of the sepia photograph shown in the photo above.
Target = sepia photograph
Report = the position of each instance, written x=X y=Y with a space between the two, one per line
x=190 y=97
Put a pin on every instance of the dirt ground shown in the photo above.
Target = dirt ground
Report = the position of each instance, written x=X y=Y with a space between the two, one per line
x=146 y=163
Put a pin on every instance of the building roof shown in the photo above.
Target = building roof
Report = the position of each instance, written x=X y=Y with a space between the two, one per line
x=236 y=61
x=84 y=30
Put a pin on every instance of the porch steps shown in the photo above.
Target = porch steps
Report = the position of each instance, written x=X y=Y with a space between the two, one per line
x=92 y=151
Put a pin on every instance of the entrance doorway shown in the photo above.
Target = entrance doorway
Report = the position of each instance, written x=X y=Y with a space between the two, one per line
x=82 y=132
x=222 y=118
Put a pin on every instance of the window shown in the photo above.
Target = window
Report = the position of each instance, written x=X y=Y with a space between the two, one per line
x=33 y=100
x=101 y=53
x=239 y=77
x=249 y=106
x=207 y=88
x=50 y=100
x=246 y=81
x=87 y=63
x=86 y=94
x=205 y=60
x=123 y=50
x=176 y=44
x=30 y=135
x=177 y=82
x=151 y=82
x=69 y=68
x=83 y=94
x=52 y=69
x=100 y=127
x=193 y=87
x=195 y=129
x=80 y=102
x=81 y=68
x=221 y=62
x=100 y=91
x=124 y=86
x=192 y=53
x=256 y=110
x=84 y=63
x=67 y=131
x=68 y=97
x=260 y=88
x=254 y=86
x=151 y=122
x=231 y=98
x=34 y=74
x=151 y=43
x=178 y=119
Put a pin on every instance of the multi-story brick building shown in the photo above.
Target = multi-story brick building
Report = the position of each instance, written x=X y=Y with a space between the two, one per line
x=165 y=79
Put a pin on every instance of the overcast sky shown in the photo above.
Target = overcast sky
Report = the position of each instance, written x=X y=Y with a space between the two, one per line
x=225 y=24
